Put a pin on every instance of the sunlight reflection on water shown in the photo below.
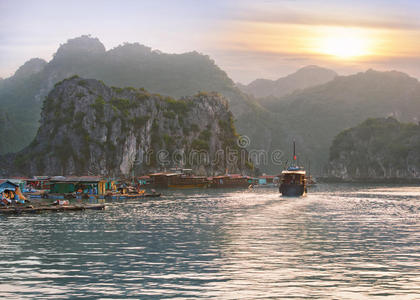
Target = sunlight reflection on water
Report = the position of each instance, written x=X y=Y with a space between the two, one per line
x=341 y=241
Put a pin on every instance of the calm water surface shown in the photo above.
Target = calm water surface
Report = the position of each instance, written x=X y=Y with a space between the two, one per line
x=339 y=242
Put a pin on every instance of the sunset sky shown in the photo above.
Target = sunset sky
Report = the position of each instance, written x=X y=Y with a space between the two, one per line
x=248 y=39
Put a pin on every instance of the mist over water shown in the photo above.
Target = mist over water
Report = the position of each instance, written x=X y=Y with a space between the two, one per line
x=341 y=241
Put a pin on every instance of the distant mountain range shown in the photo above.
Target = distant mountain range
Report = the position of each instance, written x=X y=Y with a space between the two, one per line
x=310 y=106
x=132 y=65
x=303 y=78
x=315 y=115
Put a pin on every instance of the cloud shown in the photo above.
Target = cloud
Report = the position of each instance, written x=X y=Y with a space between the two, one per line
x=277 y=13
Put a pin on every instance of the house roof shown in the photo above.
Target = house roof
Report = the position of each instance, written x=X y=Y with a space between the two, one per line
x=41 y=177
x=76 y=179
x=4 y=182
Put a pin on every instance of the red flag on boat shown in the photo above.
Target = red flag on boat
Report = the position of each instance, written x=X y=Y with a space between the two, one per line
x=294 y=157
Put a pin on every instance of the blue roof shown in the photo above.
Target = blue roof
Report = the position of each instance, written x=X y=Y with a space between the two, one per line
x=294 y=168
x=6 y=184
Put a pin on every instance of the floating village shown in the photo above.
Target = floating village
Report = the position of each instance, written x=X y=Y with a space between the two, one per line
x=69 y=193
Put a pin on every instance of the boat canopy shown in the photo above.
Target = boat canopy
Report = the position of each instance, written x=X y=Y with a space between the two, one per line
x=297 y=172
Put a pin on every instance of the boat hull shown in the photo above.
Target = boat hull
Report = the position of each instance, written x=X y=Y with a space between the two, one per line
x=292 y=190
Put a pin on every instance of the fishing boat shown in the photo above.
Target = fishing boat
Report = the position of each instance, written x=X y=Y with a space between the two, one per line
x=293 y=179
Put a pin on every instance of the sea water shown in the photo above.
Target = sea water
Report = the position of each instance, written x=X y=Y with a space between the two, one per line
x=341 y=241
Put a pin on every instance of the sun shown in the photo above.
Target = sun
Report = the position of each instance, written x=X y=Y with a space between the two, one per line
x=344 y=43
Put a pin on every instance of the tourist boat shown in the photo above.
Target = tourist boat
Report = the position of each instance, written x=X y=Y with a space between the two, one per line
x=293 y=179
x=293 y=182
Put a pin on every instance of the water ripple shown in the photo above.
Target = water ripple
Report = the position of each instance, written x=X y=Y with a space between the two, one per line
x=341 y=241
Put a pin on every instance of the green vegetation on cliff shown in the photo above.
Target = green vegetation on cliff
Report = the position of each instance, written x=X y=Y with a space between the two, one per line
x=132 y=65
x=375 y=149
x=314 y=116
x=90 y=128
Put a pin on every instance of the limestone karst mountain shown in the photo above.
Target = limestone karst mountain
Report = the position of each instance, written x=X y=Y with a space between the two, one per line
x=90 y=128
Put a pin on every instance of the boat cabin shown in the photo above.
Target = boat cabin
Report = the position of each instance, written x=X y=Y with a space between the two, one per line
x=293 y=176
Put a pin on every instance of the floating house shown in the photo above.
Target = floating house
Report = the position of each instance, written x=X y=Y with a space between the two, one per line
x=268 y=180
x=8 y=186
x=144 y=180
x=92 y=185
x=230 y=181
x=19 y=181
x=161 y=180
x=38 y=183
x=188 y=182
x=178 y=180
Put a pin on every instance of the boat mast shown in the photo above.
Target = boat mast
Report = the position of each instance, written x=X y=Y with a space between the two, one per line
x=294 y=152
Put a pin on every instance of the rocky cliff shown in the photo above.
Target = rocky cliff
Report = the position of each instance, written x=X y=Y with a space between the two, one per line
x=314 y=116
x=377 y=149
x=90 y=128
x=130 y=64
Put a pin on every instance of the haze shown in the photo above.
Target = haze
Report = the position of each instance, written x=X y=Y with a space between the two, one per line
x=247 y=39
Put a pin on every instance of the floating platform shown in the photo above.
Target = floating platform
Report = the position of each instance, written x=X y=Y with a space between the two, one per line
x=50 y=208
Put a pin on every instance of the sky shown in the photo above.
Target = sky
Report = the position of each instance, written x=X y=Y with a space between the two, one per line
x=247 y=39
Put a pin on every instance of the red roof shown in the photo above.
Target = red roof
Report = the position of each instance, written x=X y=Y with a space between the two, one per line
x=21 y=178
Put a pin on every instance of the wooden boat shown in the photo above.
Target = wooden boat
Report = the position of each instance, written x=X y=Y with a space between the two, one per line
x=50 y=208
x=188 y=182
x=293 y=180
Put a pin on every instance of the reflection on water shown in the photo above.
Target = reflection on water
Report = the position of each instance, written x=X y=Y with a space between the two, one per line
x=341 y=241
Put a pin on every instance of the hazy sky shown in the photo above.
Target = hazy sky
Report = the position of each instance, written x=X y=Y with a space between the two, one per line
x=248 y=39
